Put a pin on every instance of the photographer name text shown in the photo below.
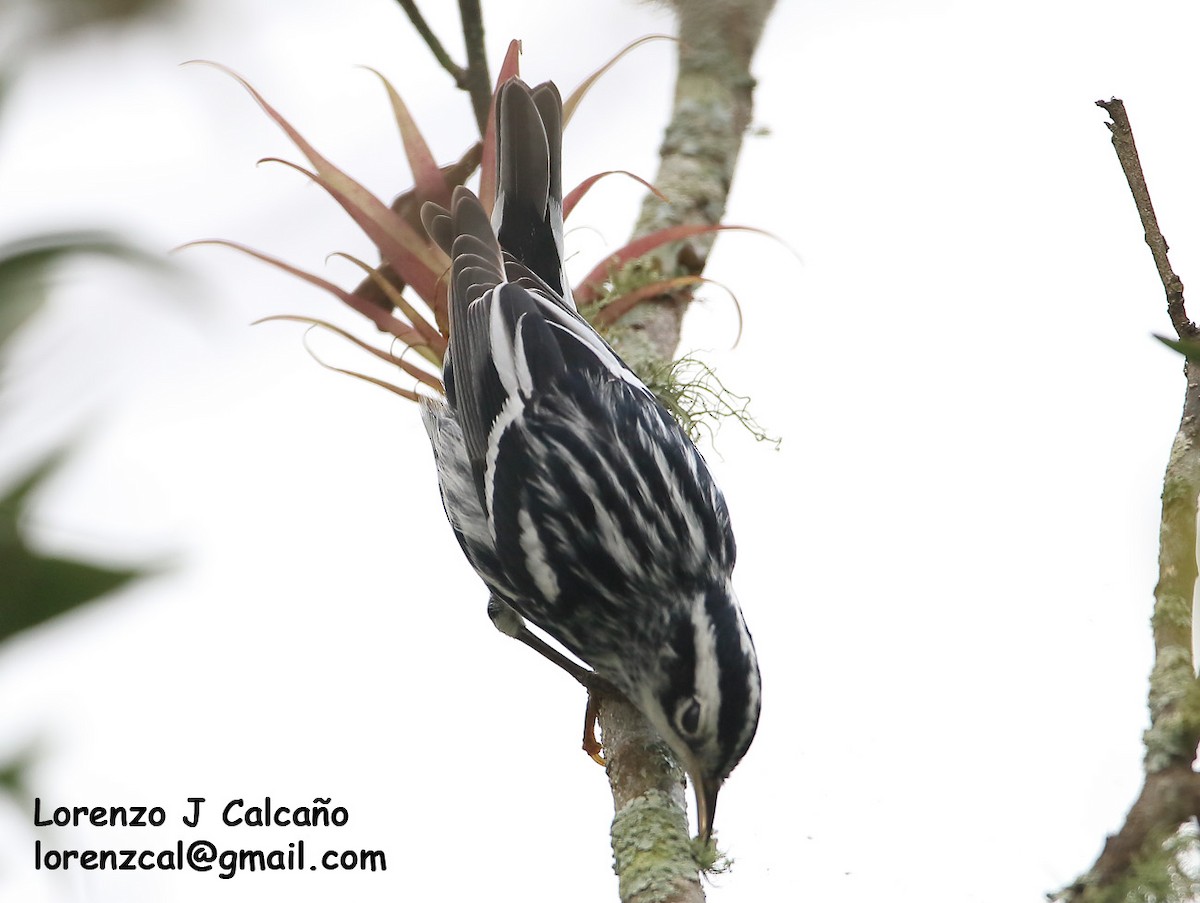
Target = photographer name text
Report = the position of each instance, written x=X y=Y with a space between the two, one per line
x=201 y=855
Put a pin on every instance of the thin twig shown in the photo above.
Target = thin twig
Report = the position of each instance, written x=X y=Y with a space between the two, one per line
x=476 y=80
x=459 y=73
x=1122 y=139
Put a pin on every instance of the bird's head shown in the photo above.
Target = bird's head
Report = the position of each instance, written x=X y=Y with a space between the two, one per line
x=704 y=694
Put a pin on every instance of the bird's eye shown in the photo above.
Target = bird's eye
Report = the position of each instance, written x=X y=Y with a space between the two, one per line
x=688 y=716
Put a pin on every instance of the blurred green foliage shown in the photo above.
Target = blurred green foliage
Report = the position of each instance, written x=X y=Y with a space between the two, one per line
x=36 y=587
x=1189 y=348
x=27 y=267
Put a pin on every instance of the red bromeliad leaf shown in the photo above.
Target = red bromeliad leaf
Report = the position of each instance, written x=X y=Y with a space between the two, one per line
x=622 y=304
x=412 y=256
x=737 y=306
x=572 y=102
x=411 y=369
x=589 y=289
x=428 y=179
x=382 y=383
x=381 y=318
x=414 y=263
x=432 y=336
x=384 y=282
x=379 y=281
x=409 y=258
x=408 y=204
x=577 y=193
x=510 y=68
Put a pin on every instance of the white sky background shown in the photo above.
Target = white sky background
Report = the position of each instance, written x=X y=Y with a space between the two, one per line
x=948 y=566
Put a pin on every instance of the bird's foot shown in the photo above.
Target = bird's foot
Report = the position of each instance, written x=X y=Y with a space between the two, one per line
x=591 y=745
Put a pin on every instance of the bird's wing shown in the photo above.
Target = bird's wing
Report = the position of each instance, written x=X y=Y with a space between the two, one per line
x=460 y=498
x=512 y=331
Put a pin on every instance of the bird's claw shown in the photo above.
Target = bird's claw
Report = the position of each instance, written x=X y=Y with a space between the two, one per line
x=591 y=745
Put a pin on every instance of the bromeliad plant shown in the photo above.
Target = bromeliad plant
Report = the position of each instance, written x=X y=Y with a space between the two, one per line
x=412 y=265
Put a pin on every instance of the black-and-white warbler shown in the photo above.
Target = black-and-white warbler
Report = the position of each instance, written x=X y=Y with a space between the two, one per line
x=574 y=493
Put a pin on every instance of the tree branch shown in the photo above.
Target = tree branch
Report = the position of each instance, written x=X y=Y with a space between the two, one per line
x=653 y=853
x=653 y=856
x=1123 y=143
x=1170 y=795
x=472 y=78
x=457 y=72
x=1168 y=799
x=712 y=109
x=476 y=82
x=652 y=850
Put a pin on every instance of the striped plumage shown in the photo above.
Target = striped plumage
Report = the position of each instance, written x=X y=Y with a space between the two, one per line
x=575 y=495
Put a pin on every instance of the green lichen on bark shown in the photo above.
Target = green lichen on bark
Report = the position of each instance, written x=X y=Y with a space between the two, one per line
x=652 y=852
x=1154 y=855
x=712 y=109
x=717 y=39
x=691 y=390
x=1164 y=872
x=1173 y=613
x=640 y=335
x=688 y=387
x=1174 y=697
x=1174 y=710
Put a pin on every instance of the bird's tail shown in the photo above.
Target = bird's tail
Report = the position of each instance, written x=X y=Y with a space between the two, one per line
x=528 y=214
x=527 y=217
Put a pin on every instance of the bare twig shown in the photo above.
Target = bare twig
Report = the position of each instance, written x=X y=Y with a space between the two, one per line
x=1170 y=794
x=477 y=82
x=1122 y=139
x=473 y=77
x=457 y=72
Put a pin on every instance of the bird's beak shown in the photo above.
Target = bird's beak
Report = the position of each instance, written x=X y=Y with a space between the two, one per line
x=706 y=806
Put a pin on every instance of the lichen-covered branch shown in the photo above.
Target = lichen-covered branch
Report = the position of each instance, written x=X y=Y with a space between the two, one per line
x=653 y=855
x=652 y=850
x=1168 y=799
x=1170 y=795
x=711 y=112
x=1174 y=691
